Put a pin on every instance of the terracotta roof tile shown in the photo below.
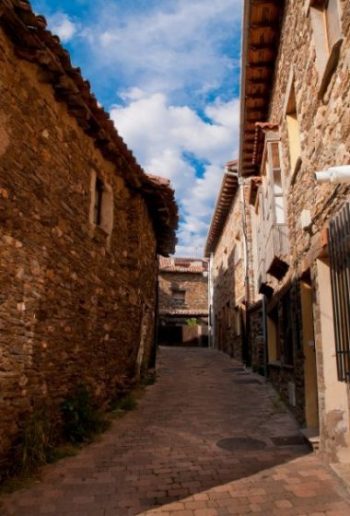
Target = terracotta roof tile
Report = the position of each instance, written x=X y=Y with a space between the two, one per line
x=227 y=193
x=187 y=265
x=184 y=311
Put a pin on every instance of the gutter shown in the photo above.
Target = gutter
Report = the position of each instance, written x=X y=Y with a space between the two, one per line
x=244 y=47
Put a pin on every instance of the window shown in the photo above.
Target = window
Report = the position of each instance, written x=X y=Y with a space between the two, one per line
x=331 y=22
x=228 y=314
x=271 y=229
x=273 y=338
x=237 y=249
x=327 y=37
x=254 y=249
x=293 y=129
x=178 y=296
x=277 y=186
x=339 y=236
x=273 y=191
x=287 y=330
x=101 y=204
x=98 y=202
x=237 y=316
x=225 y=260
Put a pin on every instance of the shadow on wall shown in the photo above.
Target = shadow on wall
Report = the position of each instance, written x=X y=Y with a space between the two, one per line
x=183 y=334
x=229 y=321
x=177 y=329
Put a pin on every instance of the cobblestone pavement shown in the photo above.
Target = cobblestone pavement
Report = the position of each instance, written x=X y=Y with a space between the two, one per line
x=164 y=457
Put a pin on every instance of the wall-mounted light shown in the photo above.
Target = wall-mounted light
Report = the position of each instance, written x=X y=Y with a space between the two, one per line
x=338 y=174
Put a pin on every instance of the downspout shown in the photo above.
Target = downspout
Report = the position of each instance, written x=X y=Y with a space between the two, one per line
x=246 y=266
x=245 y=254
x=210 y=303
x=244 y=46
x=264 y=317
x=153 y=357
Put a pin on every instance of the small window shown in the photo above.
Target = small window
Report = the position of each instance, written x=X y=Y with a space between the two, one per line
x=293 y=129
x=326 y=24
x=237 y=249
x=332 y=26
x=101 y=204
x=287 y=330
x=225 y=260
x=98 y=202
x=277 y=184
x=327 y=36
x=179 y=296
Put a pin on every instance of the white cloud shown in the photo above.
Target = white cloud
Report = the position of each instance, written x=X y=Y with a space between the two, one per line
x=63 y=26
x=170 y=47
x=163 y=135
x=163 y=59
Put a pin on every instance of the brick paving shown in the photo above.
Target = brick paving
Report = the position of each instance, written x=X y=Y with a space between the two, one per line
x=163 y=458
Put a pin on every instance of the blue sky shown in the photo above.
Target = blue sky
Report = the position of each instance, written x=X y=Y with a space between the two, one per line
x=168 y=72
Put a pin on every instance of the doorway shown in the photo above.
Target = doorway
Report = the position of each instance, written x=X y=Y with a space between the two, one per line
x=309 y=350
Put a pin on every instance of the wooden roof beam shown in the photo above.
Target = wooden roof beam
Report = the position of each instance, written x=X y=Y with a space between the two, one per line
x=257 y=81
x=254 y=47
x=262 y=2
x=264 y=25
x=261 y=64
x=256 y=96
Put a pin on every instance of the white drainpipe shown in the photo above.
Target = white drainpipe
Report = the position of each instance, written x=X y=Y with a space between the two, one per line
x=211 y=332
x=338 y=174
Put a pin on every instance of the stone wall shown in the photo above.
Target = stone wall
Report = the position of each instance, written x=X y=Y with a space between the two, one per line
x=256 y=338
x=227 y=266
x=72 y=299
x=194 y=286
x=183 y=298
x=325 y=141
x=288 y=375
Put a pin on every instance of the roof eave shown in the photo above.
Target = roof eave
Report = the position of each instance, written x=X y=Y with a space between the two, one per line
x=218 y=220
x=261 y=29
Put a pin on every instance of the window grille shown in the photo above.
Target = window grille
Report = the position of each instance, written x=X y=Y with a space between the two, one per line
x=339 y=251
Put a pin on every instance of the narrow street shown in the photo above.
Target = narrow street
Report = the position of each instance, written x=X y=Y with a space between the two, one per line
x=173 y=454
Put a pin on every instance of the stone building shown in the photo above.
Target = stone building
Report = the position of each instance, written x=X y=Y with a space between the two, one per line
x=81 y=226
x=235 y=306
x=225 y=248
x=295 y=114
x=183 y=301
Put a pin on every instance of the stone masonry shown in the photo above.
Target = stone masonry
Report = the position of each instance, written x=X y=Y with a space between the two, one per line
x=74 y=297
x=225 y=245
x=306 y=69
x=183 y=296
x=323 y=118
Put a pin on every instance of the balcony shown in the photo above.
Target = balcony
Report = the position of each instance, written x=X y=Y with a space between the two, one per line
x=273 y=251
x=277 y=251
